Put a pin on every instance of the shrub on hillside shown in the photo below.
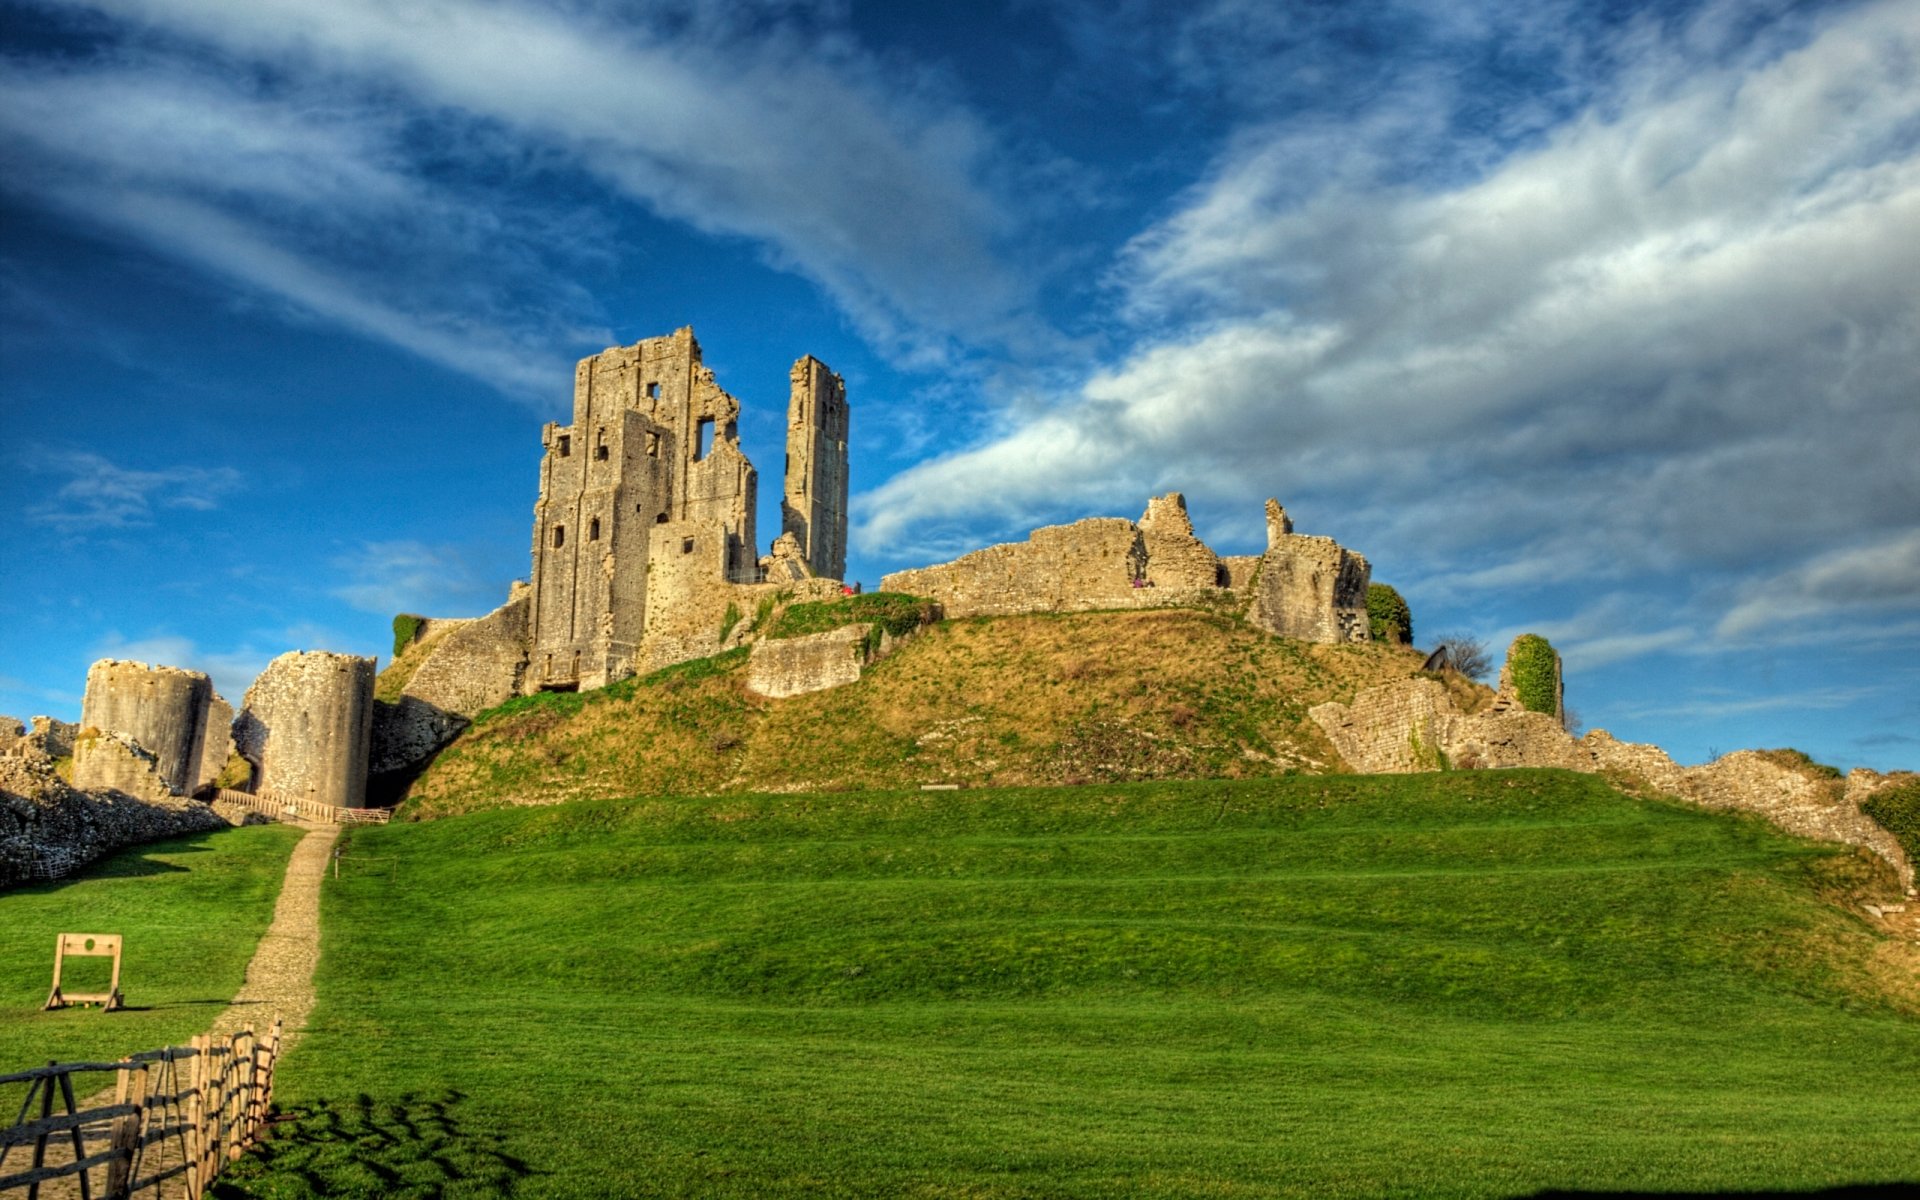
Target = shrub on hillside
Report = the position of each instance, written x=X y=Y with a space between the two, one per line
x=1898 y=808
x=1388 y=617
x=406 y=627
x=1535 y=671
x=895 y=612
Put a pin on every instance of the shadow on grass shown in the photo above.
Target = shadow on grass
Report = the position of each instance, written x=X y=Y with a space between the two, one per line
x=411 y=1148
x=1854 y=1191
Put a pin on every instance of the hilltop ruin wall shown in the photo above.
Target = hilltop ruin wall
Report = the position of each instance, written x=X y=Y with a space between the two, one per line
x=1302 y=587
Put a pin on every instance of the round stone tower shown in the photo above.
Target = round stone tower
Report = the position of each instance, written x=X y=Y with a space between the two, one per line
x=163 y=709
x=306 y=725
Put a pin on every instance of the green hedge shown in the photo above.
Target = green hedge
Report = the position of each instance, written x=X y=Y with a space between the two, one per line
x=1535 y=671
x=895 y=612
x=405 y=626
x=1898 y=808
x=1388 y=615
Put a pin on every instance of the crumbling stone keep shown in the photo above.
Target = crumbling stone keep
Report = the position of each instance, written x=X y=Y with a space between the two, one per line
x=163 y=710
x=306 y=725
x=645 y=520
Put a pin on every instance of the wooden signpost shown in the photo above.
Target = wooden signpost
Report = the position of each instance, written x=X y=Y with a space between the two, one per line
x=86 y=945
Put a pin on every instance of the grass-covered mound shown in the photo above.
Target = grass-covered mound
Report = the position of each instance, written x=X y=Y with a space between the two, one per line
x=1480 y=984
x=1075 y=698
x=191 y=910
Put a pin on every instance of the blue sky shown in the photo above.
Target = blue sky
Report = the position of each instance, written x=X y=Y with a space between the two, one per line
x=1601 y=321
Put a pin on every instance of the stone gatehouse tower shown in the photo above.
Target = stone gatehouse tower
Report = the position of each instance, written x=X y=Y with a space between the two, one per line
x=646 y=507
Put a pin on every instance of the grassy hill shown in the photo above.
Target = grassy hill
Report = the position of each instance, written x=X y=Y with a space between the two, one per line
x=1006 y=701
x=1478 y=984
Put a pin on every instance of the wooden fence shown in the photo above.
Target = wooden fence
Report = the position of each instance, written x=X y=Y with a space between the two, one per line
x=282 y=807
x=177 y=1116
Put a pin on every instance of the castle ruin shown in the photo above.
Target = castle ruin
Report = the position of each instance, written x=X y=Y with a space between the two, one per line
x=644 y=527
x=1304 y=587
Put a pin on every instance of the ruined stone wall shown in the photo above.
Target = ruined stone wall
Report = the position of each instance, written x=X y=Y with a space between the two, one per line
x=814 y=510
x=1240 y=570
x=1175 y=557
x=1302 y=587
x=1414 y=725
x=1311 y=588
x=784 y=667
x=1062 y=568
x=217 y=743
x=687 y=592
x=306 y=725
x=51 y=737
x=48 y=829
x=163 y=709
x=474 y=665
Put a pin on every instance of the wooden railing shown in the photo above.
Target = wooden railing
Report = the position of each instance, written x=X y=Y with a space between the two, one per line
x=177 y=1117
x=283 y=807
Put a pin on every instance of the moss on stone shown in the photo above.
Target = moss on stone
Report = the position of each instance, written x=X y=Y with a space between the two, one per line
x=1534 y=669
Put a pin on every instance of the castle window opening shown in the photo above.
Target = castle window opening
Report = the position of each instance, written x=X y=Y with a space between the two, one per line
x=593 y=530
x=703 y=441
x=559 y=536
x=653 y=445
x=600 y=450
x=661 y=519
x=686 y=546
x=566 y=445
x=653 y=391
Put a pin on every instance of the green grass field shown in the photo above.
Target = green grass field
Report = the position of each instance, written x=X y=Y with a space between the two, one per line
x=1477 y=984
x=191 y=910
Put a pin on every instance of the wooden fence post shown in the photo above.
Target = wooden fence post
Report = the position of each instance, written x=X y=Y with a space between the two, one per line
x=40 y=1142
x=196 y=1152
x=242 y=1093
x=134 y=1088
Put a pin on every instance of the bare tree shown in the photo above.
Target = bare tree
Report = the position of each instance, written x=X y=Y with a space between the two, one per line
x=1466 y=654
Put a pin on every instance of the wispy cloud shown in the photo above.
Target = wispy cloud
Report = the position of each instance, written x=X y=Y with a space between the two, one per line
x=856 y=174
x=302 y=197
x=411 y=576
x=101 y=496
x=1709 y=707
x=1668 y=340
x=1880 y=575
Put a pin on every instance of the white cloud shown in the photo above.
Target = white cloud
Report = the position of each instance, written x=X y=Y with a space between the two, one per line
x=300 y=198
x=100 y=496
x=1673 y=342
x=1880 y=576
x=411 y=576
x=862 y=178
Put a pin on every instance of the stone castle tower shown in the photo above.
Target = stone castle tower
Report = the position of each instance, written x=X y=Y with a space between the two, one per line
x=815 y=508
x=646 y=508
